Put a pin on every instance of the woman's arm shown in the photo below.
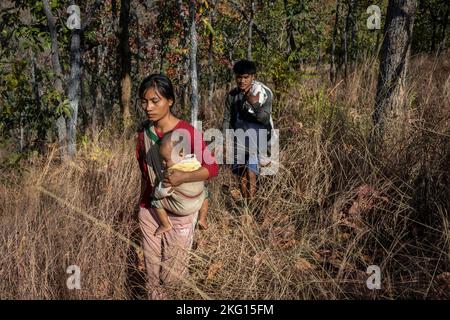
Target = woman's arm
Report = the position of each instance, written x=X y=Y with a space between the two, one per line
x=177 y=177
x=143 y=187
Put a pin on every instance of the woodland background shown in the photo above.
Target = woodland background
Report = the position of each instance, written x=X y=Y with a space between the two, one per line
x=364 y=146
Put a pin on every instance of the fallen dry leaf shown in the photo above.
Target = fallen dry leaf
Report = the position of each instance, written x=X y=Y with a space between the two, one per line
x=283 y=237
x=302 y=265
x=247 y=220
x=323 y=253
x=288 y=244
x=367 y=259
x=213 y=269
x=344 y=236
x=140 y=260
x=316 y=256
x=235 y=194
x=259 y=257
x=444 y=278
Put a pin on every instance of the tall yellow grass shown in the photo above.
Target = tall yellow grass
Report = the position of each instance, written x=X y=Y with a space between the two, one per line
x=333 y=209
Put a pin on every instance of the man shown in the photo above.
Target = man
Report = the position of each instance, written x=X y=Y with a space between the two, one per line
x=247 y=107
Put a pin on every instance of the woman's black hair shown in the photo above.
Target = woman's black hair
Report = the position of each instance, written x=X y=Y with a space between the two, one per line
x=244 y=67
x=161 y=83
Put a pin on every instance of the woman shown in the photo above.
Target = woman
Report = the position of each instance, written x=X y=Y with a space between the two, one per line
x=166 y=256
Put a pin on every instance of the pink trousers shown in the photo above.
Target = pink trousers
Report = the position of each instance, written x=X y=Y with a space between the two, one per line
x=166 y=256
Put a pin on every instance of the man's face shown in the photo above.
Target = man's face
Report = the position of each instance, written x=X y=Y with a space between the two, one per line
x=244 y=81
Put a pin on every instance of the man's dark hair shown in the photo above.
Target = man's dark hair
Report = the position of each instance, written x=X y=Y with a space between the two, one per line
x=161 y=83
x=244 y=67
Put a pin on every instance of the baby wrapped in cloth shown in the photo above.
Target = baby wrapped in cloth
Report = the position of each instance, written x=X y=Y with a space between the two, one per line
x=185 y=199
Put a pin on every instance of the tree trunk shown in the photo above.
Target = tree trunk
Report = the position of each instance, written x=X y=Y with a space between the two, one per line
x=184 y=75
x=393 y=59
x=138 y=43
x=22 y=130
x=333 y=45
x=348 y=20
x=318 y=58
x=125 y=62
x=74 y=90
x=444 y=28
x=433 y=33
x=290 y=34
x=41 y=130
x=250 y=30
x=212 y=16
x=193 y=69
x=61 y=121
x=98 y=92
x=377 y=44
x=354 y=41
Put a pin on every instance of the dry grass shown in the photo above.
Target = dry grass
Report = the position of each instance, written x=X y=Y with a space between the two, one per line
x=333 y=209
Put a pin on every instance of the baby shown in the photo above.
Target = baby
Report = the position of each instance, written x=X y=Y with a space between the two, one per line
x=185 y=199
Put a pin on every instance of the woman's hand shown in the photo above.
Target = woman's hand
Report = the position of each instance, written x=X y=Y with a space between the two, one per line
x=174 y=178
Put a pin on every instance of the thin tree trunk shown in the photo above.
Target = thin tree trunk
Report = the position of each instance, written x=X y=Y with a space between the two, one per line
x=138 y=43
x=74 y=89
x=290 y=34
x=84 y=105
x=42 y=130
x=61 y=121
x=333 y=45
x=354 y=42
x=21 y=141
x=377 y=44
x=444 y=28
x=348 y=20
x=97 y=91
x=184 y=76
x=433 y=33
x=212 y=15
x=193 y=69
x=318 y=58
x=250 y=30
x=393 y=60
x=125 y=62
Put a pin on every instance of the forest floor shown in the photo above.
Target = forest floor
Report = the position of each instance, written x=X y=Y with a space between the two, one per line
x=334 y=208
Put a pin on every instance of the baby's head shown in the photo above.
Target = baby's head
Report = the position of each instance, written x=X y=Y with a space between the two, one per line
x=171 y=149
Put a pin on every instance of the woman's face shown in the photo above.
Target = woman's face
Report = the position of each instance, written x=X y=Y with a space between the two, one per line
x=155 y=105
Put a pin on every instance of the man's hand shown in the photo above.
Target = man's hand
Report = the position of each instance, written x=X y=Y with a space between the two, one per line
x=174 y=178
x=252 y=99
